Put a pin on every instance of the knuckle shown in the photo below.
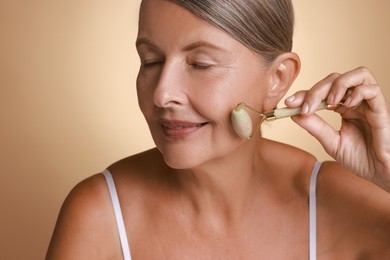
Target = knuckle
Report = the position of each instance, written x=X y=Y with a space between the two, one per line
x=313 y=95
x=339 y=85
x=334 y=75
x=301 y=92
x=313 y=91
x=367 y=74
x=364 y=70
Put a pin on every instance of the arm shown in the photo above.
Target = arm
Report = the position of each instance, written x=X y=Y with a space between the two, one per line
x=85 y=226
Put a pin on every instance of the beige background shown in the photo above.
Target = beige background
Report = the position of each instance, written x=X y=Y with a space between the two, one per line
x=67 y=96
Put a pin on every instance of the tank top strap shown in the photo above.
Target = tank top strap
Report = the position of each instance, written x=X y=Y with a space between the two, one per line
x=118 y=215
x=313 y=212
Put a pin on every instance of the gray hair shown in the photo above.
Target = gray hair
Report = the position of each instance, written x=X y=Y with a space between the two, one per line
x=265 y=26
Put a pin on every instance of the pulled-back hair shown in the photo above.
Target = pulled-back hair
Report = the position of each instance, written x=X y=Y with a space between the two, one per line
x=265 y=26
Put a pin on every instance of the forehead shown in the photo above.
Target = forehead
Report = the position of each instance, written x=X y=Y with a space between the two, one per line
x=163 y=20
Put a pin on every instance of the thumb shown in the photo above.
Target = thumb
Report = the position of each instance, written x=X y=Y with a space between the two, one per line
x=321 y=130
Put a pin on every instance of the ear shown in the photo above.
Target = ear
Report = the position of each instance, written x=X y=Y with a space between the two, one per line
x=283 y=72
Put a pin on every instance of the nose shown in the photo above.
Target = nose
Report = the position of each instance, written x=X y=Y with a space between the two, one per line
x=169 y=90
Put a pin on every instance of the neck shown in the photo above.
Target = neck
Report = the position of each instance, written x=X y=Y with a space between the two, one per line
x=224 y=190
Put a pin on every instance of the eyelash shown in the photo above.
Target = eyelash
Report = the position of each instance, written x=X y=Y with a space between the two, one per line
x=151 y=64
x=195 y=66
x=198 y=66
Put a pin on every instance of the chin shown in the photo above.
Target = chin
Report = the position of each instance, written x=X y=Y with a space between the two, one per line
x=178 y=165
x=195 y=152
x=184 y=158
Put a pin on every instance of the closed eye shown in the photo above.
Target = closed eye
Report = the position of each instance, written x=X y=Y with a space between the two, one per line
x=199 y=66
x=151 y=64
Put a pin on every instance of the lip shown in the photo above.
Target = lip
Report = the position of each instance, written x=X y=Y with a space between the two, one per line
x=175 y=128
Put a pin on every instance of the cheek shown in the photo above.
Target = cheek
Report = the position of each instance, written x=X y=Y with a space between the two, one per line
x=217 y=97
x=213 y=98
x=234 y=90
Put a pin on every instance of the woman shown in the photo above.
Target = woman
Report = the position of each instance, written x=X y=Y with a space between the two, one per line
x=206 y=193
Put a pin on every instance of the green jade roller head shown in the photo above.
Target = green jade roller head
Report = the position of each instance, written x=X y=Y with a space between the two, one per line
x=242 y=123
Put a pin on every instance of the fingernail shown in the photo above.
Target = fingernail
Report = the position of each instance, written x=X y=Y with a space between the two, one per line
x=330 y=98
x=305 y=108
x=290 y=99
x=347 y=101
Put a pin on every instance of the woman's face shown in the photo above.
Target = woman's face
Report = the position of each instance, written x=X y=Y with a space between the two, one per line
x=191 y=77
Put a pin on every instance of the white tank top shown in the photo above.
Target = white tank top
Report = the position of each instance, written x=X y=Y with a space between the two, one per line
x=312 y=214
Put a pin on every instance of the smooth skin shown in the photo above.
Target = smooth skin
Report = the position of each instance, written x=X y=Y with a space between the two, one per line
x=205 y=193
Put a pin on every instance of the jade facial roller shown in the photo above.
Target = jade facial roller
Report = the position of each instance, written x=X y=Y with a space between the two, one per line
x=242 y=123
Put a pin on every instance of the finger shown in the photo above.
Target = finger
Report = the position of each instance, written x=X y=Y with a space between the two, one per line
x=375 y=107
x=296 y=99
x=321 y=130
x=317 y=94
x=373 y=95
x=378 y=112
x=351 y=79
x=360 y=94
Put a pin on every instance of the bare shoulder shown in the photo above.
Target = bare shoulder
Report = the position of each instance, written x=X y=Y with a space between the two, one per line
x=352 y=213
x=337 y=185
x=84 y=229
x=86 y=226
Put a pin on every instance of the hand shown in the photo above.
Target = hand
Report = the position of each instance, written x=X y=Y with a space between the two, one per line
x=362 y=145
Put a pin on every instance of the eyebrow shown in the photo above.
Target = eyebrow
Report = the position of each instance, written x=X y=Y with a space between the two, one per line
x=190 y=47
x=200 y=44
x=144 y=40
